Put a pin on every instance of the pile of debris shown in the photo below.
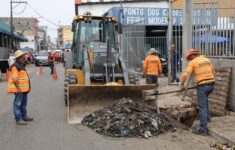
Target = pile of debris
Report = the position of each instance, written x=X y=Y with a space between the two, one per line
x=127 y=119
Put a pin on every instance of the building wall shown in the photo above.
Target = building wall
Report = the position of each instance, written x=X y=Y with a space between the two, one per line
x=97 y=9
x=227 y=6
x=27 y=26
x=228 y=63
x=179 y=4
x=67 y=34
x=64 y=35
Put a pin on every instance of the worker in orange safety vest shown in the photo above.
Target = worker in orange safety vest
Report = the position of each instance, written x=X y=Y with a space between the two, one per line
x=152 y=67
x=19 y=84
x=51 y=61
x=204 y=73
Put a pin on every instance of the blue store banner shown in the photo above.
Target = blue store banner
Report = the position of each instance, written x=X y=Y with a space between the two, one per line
x=159 y=16
x=67 y=45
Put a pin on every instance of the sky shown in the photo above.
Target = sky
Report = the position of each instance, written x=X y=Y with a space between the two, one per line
x=56 y=11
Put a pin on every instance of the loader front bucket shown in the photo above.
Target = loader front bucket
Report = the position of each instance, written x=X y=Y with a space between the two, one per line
x=83 y=100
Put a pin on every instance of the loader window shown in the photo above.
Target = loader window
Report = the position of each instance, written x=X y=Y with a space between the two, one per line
x=96 y=31
x=76 y=32
x=110 y=33
x=90 y=32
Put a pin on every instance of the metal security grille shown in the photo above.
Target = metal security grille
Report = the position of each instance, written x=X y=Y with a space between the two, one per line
x=214 y=28
x=133 y=45
x=136 y=44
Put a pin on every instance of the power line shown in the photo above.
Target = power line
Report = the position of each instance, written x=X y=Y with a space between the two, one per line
x=42 y=16
x=22 y=10
x=11 y=19
x=16 y=5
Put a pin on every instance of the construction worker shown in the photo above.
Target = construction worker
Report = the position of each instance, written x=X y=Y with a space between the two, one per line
x=19 y=84
x=205 y=80
x=51 y=61
x=174 y=64
x=152 y=67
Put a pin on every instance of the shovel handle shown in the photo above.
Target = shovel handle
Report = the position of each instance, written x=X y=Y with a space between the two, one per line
x=186 y=88
x=169 y=92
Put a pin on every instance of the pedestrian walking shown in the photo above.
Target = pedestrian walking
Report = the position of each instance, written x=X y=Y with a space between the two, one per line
x=175 y=57
x=51 y=61
x=19 y=84
x=152 y=67
x=205 y=80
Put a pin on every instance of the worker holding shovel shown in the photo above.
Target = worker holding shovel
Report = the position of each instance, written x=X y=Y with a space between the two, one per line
x=204 y=73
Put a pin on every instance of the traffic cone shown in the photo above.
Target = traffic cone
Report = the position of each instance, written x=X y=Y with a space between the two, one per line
x=7 y=75
x=40 y=70
x=54 y=74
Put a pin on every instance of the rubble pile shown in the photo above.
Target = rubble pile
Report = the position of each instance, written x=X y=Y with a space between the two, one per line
x=127 y=119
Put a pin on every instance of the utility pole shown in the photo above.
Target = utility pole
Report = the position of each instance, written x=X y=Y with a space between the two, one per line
x=11 y=20
x=170 y=26
x=187 y=29
x=121 y=48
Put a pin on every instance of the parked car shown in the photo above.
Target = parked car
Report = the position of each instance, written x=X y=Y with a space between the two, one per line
x=41 y=58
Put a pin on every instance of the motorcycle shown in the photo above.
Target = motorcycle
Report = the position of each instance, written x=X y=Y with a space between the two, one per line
x=164 y=64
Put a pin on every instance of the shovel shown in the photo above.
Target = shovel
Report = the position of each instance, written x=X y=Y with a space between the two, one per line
x=186 y=88
x=150 y=95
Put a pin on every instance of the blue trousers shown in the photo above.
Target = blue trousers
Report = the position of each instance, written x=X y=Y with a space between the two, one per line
x=52 y=67
x=173 y=74
x=19 y=106
x=204 y=113
x=152 y=79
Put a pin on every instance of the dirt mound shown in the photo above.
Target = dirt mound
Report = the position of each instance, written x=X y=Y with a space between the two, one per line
x=127 y=119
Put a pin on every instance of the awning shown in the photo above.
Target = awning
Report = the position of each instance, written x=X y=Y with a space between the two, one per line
x=20 y=37
x=209 y=38
x=5 y=29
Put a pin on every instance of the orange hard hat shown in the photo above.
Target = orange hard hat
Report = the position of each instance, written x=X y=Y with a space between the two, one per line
x=191 y=52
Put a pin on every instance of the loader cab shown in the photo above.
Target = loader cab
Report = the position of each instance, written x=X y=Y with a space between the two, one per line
x=89 y=31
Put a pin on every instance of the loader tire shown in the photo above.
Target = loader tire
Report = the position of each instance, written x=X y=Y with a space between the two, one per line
x=70 y=78
x=133 y=78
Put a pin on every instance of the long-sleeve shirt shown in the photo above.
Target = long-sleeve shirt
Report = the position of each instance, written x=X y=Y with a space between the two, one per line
x=152 y=65
x=203 y=70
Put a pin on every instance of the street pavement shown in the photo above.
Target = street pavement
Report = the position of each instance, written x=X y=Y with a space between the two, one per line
x=50 y=131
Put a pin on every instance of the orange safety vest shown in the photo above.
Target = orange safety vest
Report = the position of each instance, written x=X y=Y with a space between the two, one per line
x=51 y=58
x=152 y=65
x=203 y=70
x=23 y=80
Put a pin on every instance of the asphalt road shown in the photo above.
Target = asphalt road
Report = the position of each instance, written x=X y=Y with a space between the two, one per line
x=50 y=131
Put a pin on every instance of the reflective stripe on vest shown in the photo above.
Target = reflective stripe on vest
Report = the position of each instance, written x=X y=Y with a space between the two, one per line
x=23 y=81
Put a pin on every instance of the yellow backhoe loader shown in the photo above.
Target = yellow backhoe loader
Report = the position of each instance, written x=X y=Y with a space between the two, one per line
x=95 y=74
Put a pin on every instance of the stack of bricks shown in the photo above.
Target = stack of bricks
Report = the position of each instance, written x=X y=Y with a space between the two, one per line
x=219 y=97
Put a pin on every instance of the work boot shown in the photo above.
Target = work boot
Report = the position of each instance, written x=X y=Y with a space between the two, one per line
x=21 y=122
x=195 y=131
x=28 y=119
